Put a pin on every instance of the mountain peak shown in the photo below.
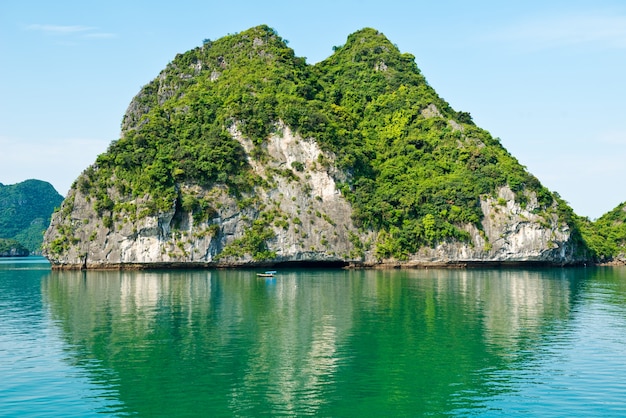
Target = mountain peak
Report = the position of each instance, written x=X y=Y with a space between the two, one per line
x=367 y=43
x=367 y=35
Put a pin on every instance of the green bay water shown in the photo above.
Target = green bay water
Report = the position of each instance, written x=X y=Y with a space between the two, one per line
x=492 y=342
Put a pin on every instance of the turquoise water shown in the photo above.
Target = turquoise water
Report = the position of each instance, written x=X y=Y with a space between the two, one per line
x=312 y=342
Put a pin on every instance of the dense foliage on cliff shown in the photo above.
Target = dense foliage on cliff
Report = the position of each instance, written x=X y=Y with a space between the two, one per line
x=25 y=210
x=416 y=168
x=606 y=236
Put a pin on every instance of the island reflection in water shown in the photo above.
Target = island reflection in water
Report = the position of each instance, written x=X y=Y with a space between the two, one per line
x=330 y=343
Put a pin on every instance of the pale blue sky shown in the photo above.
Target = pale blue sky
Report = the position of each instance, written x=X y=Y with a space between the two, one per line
x=546 y=77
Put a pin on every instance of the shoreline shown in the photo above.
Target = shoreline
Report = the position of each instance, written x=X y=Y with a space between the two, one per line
x=330 y=265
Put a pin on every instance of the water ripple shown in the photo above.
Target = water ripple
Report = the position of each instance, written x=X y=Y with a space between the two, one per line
x=362 y=343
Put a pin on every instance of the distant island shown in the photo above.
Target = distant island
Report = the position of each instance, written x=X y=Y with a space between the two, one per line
x=239 y=153
x=25 y=211
x=12 y=248
x=607 y=236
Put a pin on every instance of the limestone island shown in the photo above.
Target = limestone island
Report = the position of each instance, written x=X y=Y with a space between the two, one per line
x=240 y=154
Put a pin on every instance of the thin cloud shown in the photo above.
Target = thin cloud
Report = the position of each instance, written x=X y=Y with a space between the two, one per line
x=59 y=29
x=608 y=31
x=613 y=138
x=100 y=35
x=80 y=31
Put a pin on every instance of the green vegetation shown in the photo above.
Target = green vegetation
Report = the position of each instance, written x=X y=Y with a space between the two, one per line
x=25 y=210
x=416 y=168
x=11 y=247
x=606 y=236
x=254 y=242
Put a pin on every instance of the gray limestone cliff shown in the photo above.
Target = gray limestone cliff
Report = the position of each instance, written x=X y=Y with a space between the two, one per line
x=304 y=218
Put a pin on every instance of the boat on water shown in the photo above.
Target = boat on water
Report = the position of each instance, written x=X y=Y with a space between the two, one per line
x=270 y=273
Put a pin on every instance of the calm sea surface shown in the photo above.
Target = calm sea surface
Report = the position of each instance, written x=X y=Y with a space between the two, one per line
x=312 y=342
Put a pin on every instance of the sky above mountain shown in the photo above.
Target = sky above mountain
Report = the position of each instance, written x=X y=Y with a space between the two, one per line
x=544 y=77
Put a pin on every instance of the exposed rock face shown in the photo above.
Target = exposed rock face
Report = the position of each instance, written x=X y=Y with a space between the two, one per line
x=311 y=222
x=510 y=234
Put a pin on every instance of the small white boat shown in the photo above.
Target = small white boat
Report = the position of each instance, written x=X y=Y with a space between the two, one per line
x=271 y=273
